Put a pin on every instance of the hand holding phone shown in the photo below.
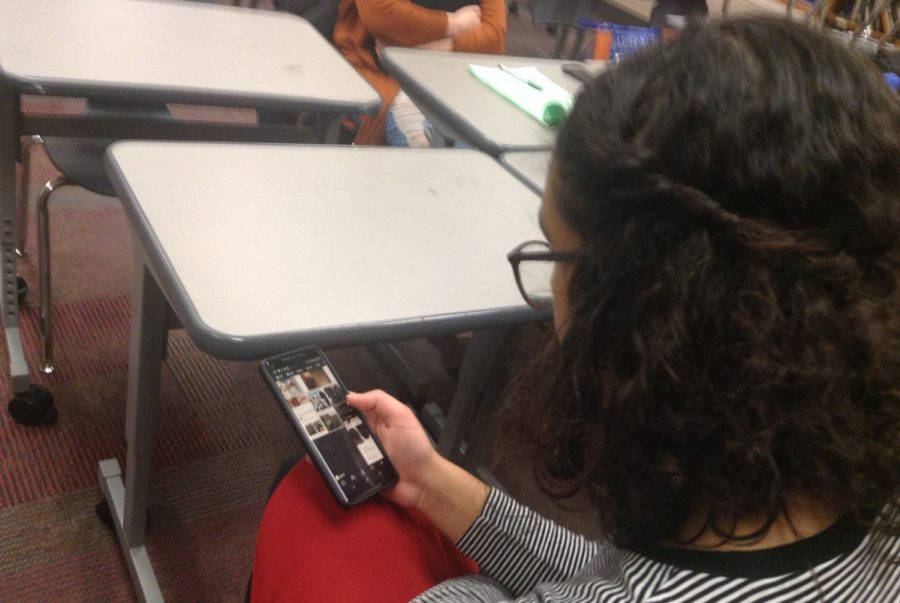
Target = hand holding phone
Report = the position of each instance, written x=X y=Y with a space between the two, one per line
x=405 y=441
x=342 y=446
x=448 y=495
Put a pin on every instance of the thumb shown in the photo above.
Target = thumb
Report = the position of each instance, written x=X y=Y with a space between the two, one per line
x=372 y=401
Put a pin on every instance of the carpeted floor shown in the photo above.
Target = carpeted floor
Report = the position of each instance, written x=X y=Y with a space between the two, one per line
x=220 y=437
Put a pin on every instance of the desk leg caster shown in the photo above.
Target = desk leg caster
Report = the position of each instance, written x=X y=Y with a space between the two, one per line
x=21 y=288
x=34 y=407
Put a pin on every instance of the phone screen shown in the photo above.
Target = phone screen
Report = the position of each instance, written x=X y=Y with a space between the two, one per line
x=334 y=431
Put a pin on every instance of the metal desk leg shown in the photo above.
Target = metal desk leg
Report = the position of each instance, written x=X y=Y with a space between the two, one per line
x=414 y=381
x=477 y=367
x=128 y=501
x=328 y=128
x=8 y=152
x=30 y=404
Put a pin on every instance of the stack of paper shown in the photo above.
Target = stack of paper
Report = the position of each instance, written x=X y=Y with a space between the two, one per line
x=528 y=89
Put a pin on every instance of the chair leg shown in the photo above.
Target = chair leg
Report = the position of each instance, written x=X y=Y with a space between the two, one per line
x=562 y=37
x=578 y=48
x=28 y=148
x=46 y=319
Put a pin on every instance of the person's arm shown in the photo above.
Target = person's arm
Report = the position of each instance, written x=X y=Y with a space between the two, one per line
x=490 y=37
x=402 y=23
x=518 y=548
x=511 y=543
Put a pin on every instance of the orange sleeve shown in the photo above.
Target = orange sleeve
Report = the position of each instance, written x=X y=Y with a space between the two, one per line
x=402 y=23
x=491 y=36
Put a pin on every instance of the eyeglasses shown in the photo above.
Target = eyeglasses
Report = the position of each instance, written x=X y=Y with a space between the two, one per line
x=532 y=263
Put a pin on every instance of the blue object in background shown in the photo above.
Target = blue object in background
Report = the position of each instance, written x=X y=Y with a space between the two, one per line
x=893 y=80
x=630 y=40
x=626 y=39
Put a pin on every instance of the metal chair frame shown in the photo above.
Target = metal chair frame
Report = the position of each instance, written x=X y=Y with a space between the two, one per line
x=45 y=324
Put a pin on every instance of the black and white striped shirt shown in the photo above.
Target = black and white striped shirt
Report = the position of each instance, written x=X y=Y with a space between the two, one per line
x=526 y=557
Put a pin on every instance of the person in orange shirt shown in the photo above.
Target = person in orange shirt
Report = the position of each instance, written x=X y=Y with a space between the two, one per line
x=363 y=25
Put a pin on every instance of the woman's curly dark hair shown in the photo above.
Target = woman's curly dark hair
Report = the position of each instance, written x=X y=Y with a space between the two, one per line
x=733 y=316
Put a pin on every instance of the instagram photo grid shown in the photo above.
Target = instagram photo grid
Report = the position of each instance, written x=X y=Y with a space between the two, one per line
x=319 y=403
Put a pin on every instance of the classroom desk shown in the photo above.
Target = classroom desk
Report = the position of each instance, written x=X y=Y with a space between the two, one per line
x=262 y=248
x=528 y=166
x=463 y=108
x=122 y=52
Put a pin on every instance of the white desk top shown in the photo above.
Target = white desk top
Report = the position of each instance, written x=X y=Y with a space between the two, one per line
x=441 y=82
x=180 y=51
x=261 y=247
x=530 y=167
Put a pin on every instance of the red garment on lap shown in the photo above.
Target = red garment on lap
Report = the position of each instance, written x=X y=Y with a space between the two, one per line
x=309 y=548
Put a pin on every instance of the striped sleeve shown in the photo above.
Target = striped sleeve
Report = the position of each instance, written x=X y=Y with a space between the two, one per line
x=517 y=548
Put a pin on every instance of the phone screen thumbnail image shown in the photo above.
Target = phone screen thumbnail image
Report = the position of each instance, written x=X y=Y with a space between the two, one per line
x=319 y=406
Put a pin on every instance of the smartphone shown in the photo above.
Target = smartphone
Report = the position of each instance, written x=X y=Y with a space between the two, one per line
x=339 y=441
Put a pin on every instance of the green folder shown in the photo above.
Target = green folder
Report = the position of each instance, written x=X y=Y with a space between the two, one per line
x=528 y=89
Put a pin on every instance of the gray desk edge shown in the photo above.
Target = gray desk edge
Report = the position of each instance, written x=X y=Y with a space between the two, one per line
x=190 y=96
x=230 y=347
x=519 y=175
